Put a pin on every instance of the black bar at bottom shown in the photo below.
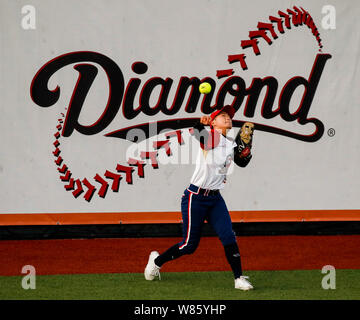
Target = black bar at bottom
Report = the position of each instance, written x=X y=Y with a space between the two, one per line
x=178 y=309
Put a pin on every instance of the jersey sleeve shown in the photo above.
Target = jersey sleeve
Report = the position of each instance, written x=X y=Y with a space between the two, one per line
x=208 y=139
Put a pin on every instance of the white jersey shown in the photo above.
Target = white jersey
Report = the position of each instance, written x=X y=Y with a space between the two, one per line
x=212 y=165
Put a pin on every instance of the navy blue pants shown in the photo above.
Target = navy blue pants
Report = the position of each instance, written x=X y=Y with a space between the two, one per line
x=196 y=208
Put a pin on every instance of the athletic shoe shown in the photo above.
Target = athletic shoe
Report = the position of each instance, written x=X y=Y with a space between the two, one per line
x=243 y=284
x=152 y=270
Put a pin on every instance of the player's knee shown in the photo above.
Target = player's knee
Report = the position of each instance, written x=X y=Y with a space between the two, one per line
x=228 y=238
x=190 y=248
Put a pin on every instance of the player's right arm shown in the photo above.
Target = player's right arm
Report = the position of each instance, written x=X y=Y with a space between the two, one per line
x=208 y=140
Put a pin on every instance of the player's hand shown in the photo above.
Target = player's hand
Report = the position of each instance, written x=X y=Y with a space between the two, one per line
x=205 y=120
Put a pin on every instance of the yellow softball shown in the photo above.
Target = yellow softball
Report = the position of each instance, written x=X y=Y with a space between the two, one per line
x=205 y=88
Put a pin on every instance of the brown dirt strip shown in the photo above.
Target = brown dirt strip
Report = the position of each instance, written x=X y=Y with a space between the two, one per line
x=130 y=255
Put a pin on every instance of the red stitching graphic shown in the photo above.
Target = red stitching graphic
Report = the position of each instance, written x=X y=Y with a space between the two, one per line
x=267 y=26
x=91 y=189
x=224 y=73
x=265 y=30
x=104 y=186
x=56 y=152
x=251 y=43
x=59 y=160
x=163 y=144
x=176 y=133
x=260 y=34
x=63 y=169
x=66 y=177
x=287 y=19
x=70 y=186
x=279 y=22
x=139 y=164
x=116 y=177
x=128 y=171
x=152 y=156
x=238 y=58
x=297 y=17
x=79 y=190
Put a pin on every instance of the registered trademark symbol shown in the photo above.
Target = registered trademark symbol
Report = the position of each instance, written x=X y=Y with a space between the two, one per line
x=331 y=132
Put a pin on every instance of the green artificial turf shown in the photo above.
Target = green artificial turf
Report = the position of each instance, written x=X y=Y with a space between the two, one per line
x=269 y=285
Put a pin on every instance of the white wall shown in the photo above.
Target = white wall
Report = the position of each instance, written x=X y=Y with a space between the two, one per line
x=176 y=38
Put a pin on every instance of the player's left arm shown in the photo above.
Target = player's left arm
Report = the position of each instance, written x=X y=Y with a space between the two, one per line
x=242 y=155
x=244 y=139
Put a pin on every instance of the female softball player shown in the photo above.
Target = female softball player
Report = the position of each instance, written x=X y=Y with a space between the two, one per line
x=202 y=200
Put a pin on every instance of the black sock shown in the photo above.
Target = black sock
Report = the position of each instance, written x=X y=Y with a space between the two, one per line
x=170 y=254
x=233 y=257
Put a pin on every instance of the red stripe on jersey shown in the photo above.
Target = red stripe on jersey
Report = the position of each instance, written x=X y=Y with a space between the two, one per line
x=189 y=223
x=212 y=141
